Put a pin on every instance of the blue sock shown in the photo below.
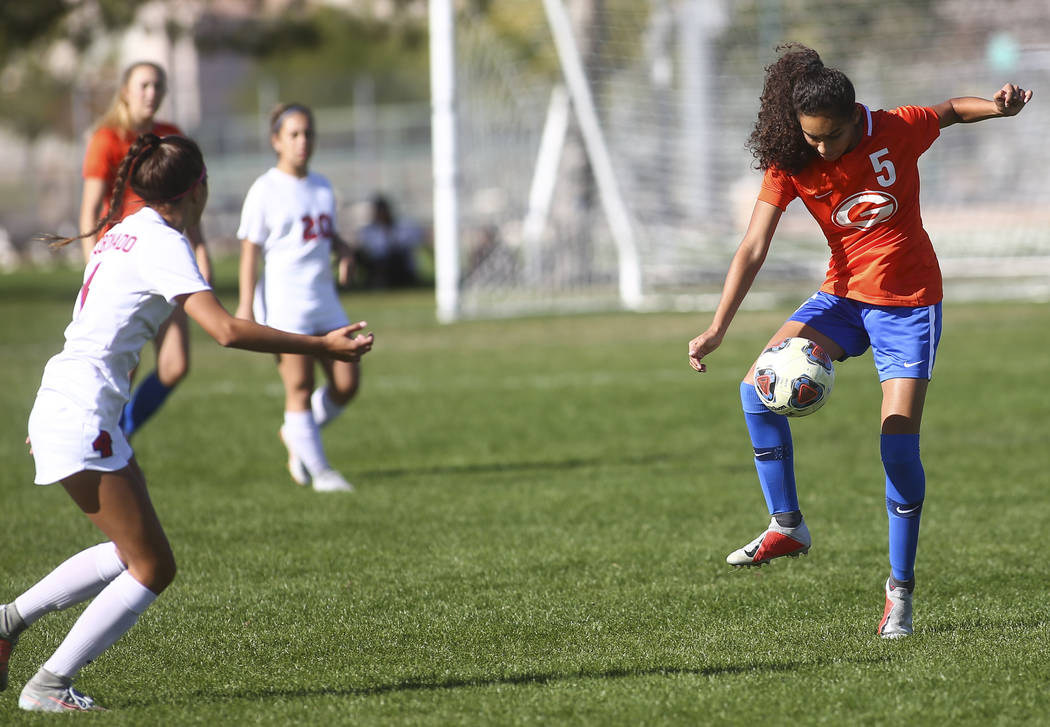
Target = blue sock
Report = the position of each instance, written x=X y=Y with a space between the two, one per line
x=774 y=457
x=905 y=492
x=144 y=402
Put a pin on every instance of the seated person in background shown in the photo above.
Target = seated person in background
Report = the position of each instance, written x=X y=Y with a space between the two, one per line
x=386 y=248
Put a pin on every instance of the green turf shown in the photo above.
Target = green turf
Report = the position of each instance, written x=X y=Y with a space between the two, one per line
x=538 y=537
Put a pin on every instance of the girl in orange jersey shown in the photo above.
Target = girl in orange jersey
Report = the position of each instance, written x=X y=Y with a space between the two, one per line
x=856 y=170
x=132 y=111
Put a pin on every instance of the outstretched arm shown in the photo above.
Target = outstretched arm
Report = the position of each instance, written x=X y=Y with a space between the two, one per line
x=742 y=271
x=1008 y=101
x=231 y=332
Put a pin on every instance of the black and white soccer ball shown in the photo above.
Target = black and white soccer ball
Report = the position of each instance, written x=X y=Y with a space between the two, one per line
x=794 y=377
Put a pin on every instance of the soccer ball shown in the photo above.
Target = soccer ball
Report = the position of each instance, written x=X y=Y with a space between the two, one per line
x=794 y=377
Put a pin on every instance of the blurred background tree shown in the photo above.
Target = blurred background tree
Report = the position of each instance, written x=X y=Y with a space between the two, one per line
x=309 y=50
x=40 y=47
x=228 y=63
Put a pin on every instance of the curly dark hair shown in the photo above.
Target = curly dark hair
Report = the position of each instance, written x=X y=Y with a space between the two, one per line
x=796 y=83
x=160 y=170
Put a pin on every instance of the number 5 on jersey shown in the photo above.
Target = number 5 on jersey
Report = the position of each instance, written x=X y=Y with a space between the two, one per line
x=884 y=171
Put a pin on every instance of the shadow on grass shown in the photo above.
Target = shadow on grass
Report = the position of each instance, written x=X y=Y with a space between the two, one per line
x=425 y=685
x=571 y=463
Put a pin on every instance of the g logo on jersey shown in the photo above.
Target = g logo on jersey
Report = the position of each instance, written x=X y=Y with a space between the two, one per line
x=865 y=209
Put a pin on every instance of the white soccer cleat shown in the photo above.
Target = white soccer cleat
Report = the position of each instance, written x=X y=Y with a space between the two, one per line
x=331 y=481
x=776 y=542
x=296 y=468
x=36 y=697
x=896 y=619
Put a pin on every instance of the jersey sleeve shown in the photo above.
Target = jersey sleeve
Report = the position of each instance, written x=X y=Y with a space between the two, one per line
x=777 y=188
x=253 y=227
x=98 y=160
x=923 y=122
x=170 y=268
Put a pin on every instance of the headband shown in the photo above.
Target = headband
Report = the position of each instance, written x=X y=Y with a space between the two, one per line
x=292 y=109
x=201 y=178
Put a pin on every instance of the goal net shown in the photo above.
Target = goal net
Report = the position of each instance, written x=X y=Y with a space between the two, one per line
x=601 y=157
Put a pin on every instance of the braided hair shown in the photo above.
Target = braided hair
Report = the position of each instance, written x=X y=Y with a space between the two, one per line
x=160 y=170
x=796 y=83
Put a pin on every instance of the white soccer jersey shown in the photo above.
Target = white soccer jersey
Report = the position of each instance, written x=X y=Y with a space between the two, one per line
x=293 y=221
x=135 y=273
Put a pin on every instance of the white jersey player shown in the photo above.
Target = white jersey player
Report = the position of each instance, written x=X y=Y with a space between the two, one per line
x=292 y=220
x=288 y=222
x=137 y=274
x=132 y=279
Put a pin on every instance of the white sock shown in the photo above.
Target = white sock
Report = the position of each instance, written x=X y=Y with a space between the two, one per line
x=324 y=409
x=79 y=578
x=304 y=437
x=106 y=619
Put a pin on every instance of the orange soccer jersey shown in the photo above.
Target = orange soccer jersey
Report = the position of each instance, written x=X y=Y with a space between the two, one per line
x=106 y=149
x=867 y=204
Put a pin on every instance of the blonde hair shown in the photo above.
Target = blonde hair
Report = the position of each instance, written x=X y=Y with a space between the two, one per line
x=116 y=116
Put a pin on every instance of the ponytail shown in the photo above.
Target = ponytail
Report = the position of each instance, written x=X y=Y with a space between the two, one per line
x=159 y=170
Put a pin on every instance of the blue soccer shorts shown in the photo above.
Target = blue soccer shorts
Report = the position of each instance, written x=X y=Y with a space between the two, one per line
x=903 y=339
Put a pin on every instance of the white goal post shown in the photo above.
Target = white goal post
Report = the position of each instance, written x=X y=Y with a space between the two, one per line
x=590 y=154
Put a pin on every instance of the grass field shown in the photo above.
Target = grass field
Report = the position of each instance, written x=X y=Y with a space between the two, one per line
x=538 y=537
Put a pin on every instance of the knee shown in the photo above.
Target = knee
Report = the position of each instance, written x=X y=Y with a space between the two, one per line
x=163 y=575
x=899 y=449
x=341 y=395
x=173 y=370
x=905 y=478
x=155 y=572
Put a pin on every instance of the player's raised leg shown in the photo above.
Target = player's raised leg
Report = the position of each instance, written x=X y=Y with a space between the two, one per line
x=787 y=533
x=342 y=381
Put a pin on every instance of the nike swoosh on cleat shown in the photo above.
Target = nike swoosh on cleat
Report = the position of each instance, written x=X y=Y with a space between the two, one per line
x=754 y=550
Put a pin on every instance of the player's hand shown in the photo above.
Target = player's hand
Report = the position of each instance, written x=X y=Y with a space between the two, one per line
x=343 y=345
x=30 y=445
x=702 y=345
x=1010 y=99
